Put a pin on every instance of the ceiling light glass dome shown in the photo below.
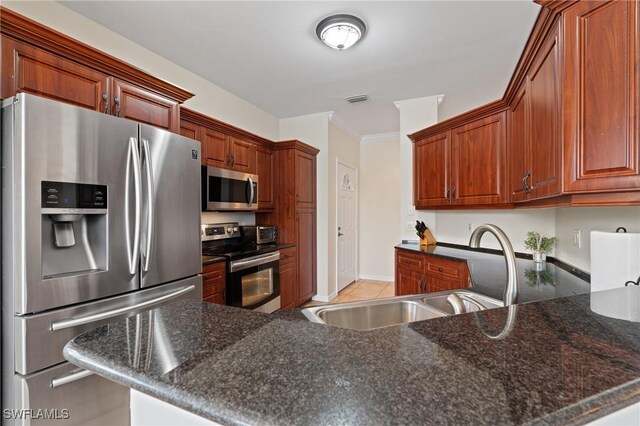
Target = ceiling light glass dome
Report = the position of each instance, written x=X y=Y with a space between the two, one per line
x=340 y=31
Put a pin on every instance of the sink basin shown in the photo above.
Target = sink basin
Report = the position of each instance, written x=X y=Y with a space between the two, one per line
x=439 y=302
x=367 y=315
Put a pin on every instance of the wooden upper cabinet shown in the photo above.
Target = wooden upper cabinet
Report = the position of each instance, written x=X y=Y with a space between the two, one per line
x=135 y=103
x=242 y=155
x=601 y=96
x=190 y=130
x=534 y=148
x=478 y=161
x=214 y=148
x=264 y=170
x=31 y=70
x=431 y=171
x=305 y=172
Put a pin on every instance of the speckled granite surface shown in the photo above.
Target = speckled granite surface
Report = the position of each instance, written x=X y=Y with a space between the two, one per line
x=489 y=274
x=210 y=260
x=557 y=363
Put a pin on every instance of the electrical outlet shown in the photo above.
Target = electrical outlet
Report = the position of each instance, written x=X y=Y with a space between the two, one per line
x=412 y=210
x=577 y=238
x=470 y=226
x=410 y=226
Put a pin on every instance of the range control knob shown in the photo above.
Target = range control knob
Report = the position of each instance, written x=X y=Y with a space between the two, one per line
x=235 y=229
x=229 y=229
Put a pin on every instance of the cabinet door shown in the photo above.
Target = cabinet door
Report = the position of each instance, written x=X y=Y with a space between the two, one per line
x=431 y=171
x=31 y=70
x=601 y=96
x=517 y=146
x=409 y=282
x=264 y=170
x=478 y=161
x=544 y=139
x=140 y=105
x=305 y=180
x=305 y=243
x=433 y=284
x=214 y=148
x=243 y=155
x=190 y=130
x=288 y=278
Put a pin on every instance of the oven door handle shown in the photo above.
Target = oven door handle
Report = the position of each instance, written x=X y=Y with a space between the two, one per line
x=239 y=265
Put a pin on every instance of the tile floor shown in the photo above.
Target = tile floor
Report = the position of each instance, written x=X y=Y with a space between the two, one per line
x=362 y=290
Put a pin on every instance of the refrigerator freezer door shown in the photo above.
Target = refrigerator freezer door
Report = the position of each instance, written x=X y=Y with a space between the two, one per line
x=170 y=245
x=53 y=329
x=72 y=398
x=47 y=141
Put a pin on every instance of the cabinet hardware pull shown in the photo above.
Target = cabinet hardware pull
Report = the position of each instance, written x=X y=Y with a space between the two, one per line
x=228 y=159
x=439 y=269
x=525 y=186
x=233 y=160
x=117 y=102
x=453 y=193
x=446 y=193
x=297 y=198
x=105 y=98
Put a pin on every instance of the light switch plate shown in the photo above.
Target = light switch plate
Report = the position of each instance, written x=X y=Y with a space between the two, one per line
x=577 y=238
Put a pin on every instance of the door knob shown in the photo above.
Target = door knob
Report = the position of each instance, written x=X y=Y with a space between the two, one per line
x=340 y=234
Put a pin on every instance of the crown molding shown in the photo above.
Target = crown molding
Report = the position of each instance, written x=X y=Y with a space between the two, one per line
x=381 y=137
x=338 y=121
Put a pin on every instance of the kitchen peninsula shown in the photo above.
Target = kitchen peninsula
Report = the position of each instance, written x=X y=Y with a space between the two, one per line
x=558 y=362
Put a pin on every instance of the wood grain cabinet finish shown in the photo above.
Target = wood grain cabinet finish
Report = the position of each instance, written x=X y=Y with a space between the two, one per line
x=431 y=168
x=264 y=170
x=425 y=273
x=478 y=161
x=289 y=293
x=294 y=197
x=134 y=103
x=534 y=143
x=31 y=70
x=190 y=130
x=242 y=154
x=601 y=96
x=214 y=282
x=215 y=148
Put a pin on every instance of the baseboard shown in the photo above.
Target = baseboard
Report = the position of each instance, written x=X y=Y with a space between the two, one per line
x=376 y=277
x=325 y=299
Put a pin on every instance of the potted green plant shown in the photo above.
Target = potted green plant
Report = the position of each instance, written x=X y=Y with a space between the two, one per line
x=539 y=245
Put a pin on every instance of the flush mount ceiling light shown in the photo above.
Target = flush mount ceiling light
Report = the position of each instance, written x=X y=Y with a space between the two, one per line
x=340 y=31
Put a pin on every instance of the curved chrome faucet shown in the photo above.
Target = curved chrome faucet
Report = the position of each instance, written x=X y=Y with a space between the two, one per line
x=511 y=289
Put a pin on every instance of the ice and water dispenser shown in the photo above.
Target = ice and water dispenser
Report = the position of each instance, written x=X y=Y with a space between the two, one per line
x=74 y=228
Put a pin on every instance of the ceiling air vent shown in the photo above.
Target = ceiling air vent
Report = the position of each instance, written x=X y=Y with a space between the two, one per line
x=357 y=98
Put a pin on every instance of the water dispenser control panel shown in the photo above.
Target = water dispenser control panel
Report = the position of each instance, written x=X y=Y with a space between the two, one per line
x=66 y=195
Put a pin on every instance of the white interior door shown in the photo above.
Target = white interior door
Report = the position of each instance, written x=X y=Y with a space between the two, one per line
x=347 y=224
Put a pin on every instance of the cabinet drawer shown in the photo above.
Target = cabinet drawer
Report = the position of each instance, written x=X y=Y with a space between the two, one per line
x=287 y=256
x=215 y=269
x=210 y=287
x=447 y=269
x=410 y=261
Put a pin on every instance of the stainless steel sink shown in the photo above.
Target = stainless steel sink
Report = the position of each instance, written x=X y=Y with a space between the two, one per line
x=371 y=314
x=439 y=302
x=367 y=315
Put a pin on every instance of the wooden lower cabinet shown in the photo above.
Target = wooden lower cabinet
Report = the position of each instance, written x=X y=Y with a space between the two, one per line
x=288 y=278
x=213 y=283
x=425 y=273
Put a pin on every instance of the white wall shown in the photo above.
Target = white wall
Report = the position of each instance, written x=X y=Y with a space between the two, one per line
x=379 y=198
x=589 y=219
x=314 y=130
x=345 y=148
x=209 y=99
x=415 y=114
x=453 y=226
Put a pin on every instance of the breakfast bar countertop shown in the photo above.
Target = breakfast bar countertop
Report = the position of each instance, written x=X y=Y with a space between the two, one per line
x=555 y=361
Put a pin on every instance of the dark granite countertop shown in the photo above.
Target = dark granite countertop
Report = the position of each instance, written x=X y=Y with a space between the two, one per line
x=558 y=362
x=210 y=260
x=548 y=280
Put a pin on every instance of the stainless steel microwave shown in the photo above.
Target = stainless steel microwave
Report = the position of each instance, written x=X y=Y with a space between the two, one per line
x=227 y=190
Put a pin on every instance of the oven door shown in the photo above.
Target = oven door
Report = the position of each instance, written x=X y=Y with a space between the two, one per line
x=225 y=190
x=254 y=283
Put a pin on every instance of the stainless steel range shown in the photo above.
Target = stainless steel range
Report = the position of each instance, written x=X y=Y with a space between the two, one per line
x=100 y=221
x=253 y=274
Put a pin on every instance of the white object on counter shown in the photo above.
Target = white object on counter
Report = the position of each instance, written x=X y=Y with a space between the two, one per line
x=624 y=303
x=615 y=259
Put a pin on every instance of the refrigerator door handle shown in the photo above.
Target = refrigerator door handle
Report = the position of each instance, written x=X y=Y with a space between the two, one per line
x=74 y=322
x=69 y=378
x=133 y=252
x=150 y=205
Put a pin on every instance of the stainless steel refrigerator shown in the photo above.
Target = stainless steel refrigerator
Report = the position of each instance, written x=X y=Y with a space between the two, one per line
x=100 y=221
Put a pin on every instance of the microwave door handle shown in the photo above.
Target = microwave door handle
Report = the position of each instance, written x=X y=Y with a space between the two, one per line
x=250 y=191
x=133 y=161
x=150 y=205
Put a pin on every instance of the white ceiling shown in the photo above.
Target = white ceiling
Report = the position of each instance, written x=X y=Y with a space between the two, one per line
x=267 y=53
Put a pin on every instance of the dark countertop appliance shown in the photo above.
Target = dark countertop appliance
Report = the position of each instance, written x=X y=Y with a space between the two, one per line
x=253 y=274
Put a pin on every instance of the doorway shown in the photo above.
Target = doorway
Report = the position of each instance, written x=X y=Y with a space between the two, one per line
x=347 y=223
